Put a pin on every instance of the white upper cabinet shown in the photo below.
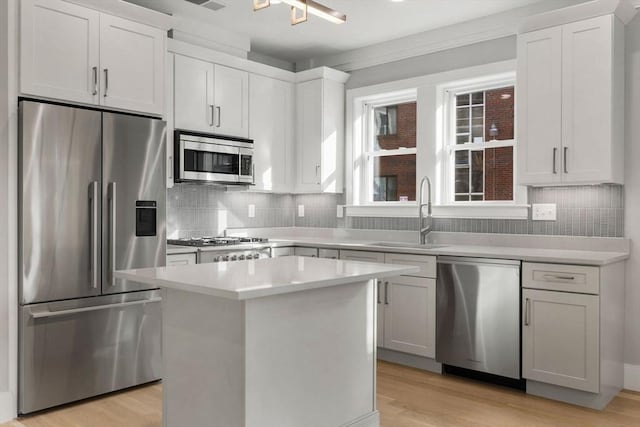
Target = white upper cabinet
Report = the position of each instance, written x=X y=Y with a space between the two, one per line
x=231 y=95
x=320 y=133
x=571 y=103
x=272 y=127
x=539 y=106
x=59 y=57
x=77 y=54
x=193 y=94
x=132 y=62
x=210 y=98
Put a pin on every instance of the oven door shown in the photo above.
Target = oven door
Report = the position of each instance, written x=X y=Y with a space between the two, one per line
x=209 y=162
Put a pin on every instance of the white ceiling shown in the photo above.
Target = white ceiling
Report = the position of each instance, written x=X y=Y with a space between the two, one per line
x=368 y=22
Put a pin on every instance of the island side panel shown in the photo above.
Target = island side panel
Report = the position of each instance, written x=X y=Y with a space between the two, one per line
x=203 y=360
x=311 y=358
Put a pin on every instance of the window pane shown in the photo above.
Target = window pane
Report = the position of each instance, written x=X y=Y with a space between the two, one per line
x=462 y=100
x=499 y=114
x=477 y=98
x=499 y=173
x=462 y=139
x=476 y=197
x=477 y=124
x=477 y=171
x=462 y=158
x=395 y=127
x=394 y=178
x=462 y=180
x=462 y=197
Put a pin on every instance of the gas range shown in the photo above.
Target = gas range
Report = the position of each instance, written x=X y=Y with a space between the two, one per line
x=216 y=241
x=223 y=249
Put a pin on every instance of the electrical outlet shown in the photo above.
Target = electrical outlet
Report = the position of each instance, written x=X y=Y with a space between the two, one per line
x=252 y=211
x=300 y=211
x=340 y=211
x=543 y=212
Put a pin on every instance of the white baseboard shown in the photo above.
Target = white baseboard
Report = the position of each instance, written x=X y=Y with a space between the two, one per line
x=632 y=377
x=7 y=406
x=370 y=420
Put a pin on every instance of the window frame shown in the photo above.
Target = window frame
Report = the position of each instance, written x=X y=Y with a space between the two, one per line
x=448 y=144
x=369 y=134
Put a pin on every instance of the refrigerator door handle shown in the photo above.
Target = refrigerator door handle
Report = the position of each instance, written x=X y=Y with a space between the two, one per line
x=45 y=314
x=93 y=200
x=112 y=233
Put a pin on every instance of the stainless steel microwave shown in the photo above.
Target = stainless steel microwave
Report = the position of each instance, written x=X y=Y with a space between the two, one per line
x=213 y=159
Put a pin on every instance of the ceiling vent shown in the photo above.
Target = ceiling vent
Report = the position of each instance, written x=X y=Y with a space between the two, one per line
x=209 y=4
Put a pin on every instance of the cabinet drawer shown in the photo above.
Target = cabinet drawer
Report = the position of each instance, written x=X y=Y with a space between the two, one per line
x=426 y=263
x=310 y=252
x=328 y=253
x=363 y=256
x=181 y=259
x=279 y=252
x=559 y=277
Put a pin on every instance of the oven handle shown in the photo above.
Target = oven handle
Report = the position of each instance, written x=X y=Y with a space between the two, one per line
x=210 y=148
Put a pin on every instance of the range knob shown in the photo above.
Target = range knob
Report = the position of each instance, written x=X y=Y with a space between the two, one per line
x=241 y=257
x=217 y=259
x=234 y=258
x=225 y=258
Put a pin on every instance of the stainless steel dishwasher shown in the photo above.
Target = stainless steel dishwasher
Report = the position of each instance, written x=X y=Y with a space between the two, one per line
x=478 y=315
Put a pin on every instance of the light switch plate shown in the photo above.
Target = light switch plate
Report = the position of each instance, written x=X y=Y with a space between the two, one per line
x=543 y=212
x=340 y=211
x=252 y=211
x=300 y=211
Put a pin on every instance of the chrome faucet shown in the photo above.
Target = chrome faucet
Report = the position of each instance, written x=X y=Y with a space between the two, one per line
x=424 y=231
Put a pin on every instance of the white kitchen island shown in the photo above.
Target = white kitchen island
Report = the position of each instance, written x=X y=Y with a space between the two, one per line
x=278 y=342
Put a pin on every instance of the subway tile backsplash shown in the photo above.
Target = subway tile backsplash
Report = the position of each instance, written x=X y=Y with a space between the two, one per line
x=196 y=210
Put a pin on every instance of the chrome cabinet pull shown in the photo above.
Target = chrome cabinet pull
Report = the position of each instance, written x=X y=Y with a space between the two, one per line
x=93 y=200
x=112 y=230
x=212 y=109
x=106 y=81
x=95 y=81
x=43 y=314
x=555 y=152
x=551 y=277
x=527 y=312
x=219 y=111
x=171 y=168
x=386 y=293
x=564 y=159
x=253 y=174
x=378 y=283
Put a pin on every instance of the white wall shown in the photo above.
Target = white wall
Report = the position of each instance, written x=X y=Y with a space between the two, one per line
x=632 y=206
x=8 y=286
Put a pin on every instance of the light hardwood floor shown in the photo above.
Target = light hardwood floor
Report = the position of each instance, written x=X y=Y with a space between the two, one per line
x=406 y=398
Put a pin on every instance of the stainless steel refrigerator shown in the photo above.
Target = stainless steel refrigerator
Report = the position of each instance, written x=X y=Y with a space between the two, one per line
x=91 y=200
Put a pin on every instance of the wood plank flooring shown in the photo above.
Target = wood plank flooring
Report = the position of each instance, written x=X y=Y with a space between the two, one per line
x=406 y=398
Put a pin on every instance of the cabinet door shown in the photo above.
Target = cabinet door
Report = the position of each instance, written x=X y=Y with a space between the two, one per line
x=271 y=128
x=59 y=50
x=181 y=259
x=410 y=315
x=309 y=134
x=362 y=256
x=331 y=140
x=539 y=92
x=280 y=252
x=231 y=94
x=587 y=82
x=560 y=339
x=193 y=94
x=132 y=62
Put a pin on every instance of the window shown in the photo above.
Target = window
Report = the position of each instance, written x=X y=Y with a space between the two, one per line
x=481 y=143
x=390 y=150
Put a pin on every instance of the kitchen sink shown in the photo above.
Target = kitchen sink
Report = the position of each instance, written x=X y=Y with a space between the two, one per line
x=408 y=245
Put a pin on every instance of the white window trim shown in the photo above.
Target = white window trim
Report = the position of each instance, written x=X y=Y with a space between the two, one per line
x=429 y=137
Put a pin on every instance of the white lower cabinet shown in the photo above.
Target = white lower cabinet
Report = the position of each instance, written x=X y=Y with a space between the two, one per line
x=304 y=251
x=181 y=259
x=409 y=315
x=560 y=339
x=280 y=252
x=406 y=304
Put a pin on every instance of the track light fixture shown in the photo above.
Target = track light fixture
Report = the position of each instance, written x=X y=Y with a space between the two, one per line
x=300 y=9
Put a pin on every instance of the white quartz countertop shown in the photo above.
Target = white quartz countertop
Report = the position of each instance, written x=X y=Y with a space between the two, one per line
x=241 y=280
x=531 y=254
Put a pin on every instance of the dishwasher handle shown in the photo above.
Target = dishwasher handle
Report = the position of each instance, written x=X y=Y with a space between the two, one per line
x=477 y=261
